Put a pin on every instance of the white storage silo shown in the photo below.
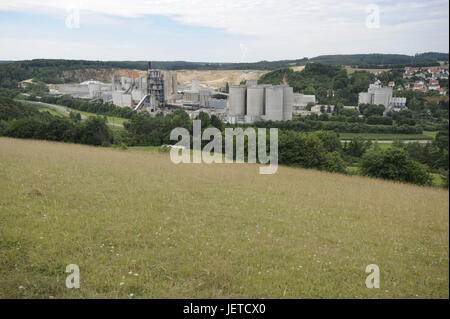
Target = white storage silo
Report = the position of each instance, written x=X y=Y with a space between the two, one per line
x=288 y=102
x=237 y=100
x=255 y=101
x=274 y=103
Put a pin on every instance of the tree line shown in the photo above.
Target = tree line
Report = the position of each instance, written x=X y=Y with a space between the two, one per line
x=50 y=70
x=97 y=107
x=331 y=84
x=18 y=120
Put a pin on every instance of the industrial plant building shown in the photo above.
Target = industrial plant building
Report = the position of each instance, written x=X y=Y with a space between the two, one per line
x=149 y=92
x=301 y=101
x=376 y=94
x=159 y=91
x=250 y=102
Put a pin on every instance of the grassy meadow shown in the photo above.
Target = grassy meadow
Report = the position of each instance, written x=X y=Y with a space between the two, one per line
x=47 y=108
x=140 y=226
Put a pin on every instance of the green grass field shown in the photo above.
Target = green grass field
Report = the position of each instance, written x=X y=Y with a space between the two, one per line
x=138 y=224
x=54 y=111
x=45 y=108
x=380 y=137
x=111 y=119
x=431 y=134
x=144 y=148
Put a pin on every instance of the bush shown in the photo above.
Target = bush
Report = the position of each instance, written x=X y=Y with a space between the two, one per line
x=371 y=109
x=378 y=119
x=3 y=127
x=357 y=147
x=394 y=164
x=330 y=140
x=335 y=163
x=94 y=131
x=445 y=178
x=301 y=149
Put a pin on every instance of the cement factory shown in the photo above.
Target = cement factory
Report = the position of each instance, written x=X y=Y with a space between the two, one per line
x=159 y=91
x=251 y=102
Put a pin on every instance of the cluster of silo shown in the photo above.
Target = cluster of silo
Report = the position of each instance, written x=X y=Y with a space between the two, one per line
x=237 y=101
x=288 y=102
x=250 y=103
x=255 y=103
x=274 y=103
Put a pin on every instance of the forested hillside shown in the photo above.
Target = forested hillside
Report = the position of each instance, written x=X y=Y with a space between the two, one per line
x=49 y=71
x=381 y=60
x=321 y=80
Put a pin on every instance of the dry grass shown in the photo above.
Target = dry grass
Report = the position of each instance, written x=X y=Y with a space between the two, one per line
x=206 y=231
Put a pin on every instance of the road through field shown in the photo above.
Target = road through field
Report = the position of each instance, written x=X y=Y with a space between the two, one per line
x=66 y=110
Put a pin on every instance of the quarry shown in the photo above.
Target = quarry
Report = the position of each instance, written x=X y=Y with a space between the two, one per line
x=162 y=91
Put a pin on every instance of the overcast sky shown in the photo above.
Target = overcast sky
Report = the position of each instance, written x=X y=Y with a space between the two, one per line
x=219 y=30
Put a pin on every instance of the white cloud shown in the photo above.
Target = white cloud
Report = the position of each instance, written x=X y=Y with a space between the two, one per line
x=281 y=28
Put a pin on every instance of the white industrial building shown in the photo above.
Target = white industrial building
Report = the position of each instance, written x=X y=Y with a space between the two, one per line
x=217 y=104
x=122 y=99
x=150 y=92
x=74 y=90
x=99 y=90
x=376 y=94
x=301 y=101
x=196 y=96
x=398 y=102
x=249 y=103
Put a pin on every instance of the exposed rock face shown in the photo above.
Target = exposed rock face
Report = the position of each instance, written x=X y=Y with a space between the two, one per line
x=213 y=78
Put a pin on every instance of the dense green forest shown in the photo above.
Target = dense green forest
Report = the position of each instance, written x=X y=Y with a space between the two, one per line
x=320 y=79
x=48 y=70
x=96 y=107
x=18 y=120
x=382 y=60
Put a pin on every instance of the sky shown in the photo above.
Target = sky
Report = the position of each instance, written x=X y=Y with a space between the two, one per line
x=219 y=30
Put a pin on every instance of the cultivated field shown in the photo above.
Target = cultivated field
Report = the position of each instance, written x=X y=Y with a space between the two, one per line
x=140 y=226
